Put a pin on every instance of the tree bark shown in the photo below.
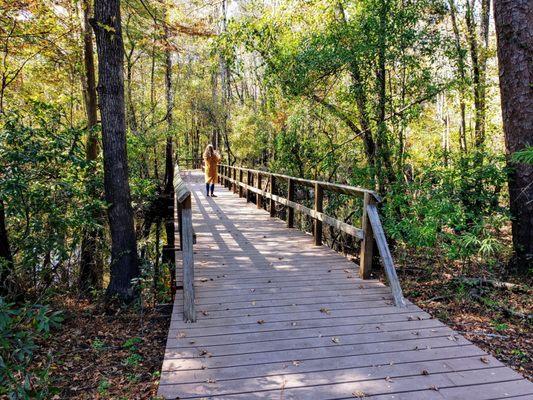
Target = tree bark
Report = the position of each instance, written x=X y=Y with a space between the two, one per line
x=461 y=69
x=514 y=30
x=110 y=46
x=91 y=262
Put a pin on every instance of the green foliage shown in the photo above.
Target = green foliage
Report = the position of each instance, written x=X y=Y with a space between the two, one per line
x=21 y=328
x=524 y=156
x=47 y=187
x=457 y=208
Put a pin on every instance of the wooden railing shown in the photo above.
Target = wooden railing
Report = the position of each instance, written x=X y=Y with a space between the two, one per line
x=263 y=185
x=183 y=214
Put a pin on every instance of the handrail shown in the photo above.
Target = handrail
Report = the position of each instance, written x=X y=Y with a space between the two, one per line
x=182 y=196
x=371 y=225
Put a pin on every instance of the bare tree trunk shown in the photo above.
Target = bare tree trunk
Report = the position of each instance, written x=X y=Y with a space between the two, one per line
x=169 y=151
x=461 y=69
x=383 y=156
x=6 y=258
x=478 y=57
x=91 y=261
x=514 y=29
x=110 y=46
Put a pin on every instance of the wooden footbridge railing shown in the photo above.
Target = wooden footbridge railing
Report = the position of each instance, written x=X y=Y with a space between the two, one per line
x=180 y=214
x=263 y=185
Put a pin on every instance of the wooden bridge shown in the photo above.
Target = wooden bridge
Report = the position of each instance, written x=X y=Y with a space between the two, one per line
x=279 y=316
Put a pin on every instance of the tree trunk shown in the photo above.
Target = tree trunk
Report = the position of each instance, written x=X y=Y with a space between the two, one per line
x=461 y=69
x=124 y=260
x=91 y=262
x=6 y=258
x=169 y=152
x=477 y=55
x=514 y=22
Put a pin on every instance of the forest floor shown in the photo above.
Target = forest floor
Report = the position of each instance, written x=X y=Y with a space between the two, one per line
x=497 y=319
x=98 y=355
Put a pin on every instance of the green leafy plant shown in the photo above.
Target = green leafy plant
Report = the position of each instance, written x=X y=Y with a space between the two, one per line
x=21 y=327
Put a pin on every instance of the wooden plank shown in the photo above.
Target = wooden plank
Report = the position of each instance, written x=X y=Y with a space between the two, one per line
x=302 y=333
x=331 y=375
x=188 y=349
x=369 y=387
x=175 y=359
x=187 y=253
x=291 y=317
x=386 y=256
x=346 y=362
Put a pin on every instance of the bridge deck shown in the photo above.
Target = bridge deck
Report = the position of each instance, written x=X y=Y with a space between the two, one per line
x=279 y=318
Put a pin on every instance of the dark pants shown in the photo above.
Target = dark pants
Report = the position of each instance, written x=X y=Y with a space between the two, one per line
x=208 y=186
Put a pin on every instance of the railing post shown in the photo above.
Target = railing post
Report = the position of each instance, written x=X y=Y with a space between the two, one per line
x=258 y=197
x=367 y=245
x=290 y=197
x=189 y=313
x=235 y=183
x=249 y=182
x=319 y=201
x=240 y=181
x=272 y=191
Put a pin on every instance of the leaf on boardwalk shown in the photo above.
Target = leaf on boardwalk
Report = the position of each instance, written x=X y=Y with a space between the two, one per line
x=181 y=335
x=325 y=310
x=347 y=270
x=388 y=379
x=252 y=290
x=261 y=321
x=203 y=279
x=204 y=352
x=335 y=340
x=253 y=303
x=434 y=387
x=204 y=312
x=453 y=338
x=296 y=363
x=484 y=360
x=425 y=372
x=192 y=341
x=211 y=380
x=359 y=394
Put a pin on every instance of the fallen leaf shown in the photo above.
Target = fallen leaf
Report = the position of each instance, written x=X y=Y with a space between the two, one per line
x=425 y=372
x=359 y=394
x=433 y=387
x=335 y=340
x=204 y=312
x=211 y=380
x=261 y=321
x=485 y=360
x=325 y=310
x=296 y=363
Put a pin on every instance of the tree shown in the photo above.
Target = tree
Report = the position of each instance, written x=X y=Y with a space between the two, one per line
x=515 y=55
x=110 y=47
x=91 y=262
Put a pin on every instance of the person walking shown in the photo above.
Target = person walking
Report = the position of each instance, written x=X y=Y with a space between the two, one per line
x=211 y=160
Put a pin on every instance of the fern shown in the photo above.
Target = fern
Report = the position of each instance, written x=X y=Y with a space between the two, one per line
x=524 y=156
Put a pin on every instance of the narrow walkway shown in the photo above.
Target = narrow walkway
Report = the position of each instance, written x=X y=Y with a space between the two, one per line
x=279 y=318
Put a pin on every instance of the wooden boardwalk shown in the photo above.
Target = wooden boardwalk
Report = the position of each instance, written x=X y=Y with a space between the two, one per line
x=279 y=318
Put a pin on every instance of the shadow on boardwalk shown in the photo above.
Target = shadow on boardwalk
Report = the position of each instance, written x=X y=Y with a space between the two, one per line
x=279 y=318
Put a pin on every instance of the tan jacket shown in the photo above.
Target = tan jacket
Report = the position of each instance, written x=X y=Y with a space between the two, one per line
x=211 y=168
